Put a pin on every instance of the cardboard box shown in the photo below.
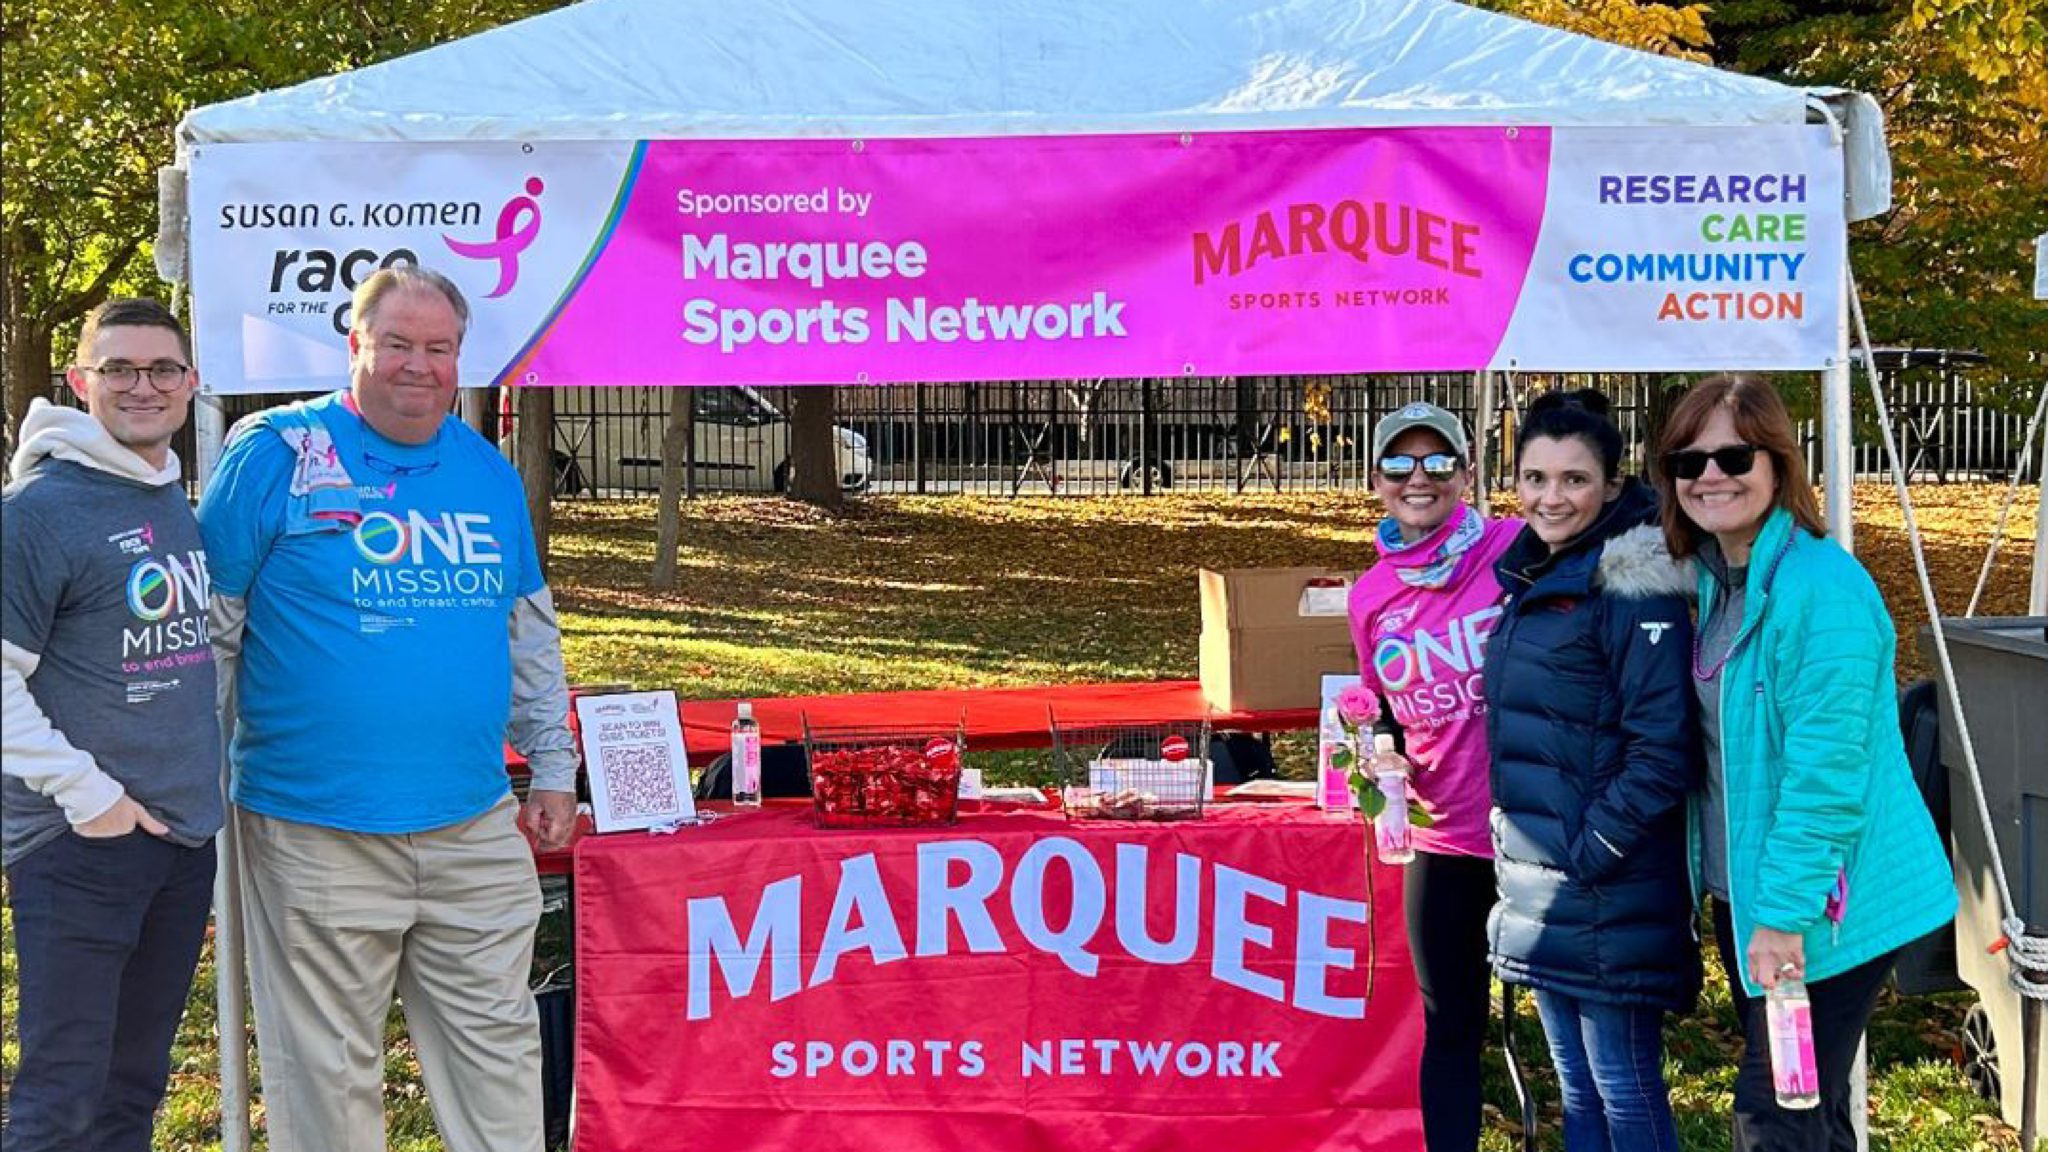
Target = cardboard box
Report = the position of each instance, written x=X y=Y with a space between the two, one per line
x=1259 y=650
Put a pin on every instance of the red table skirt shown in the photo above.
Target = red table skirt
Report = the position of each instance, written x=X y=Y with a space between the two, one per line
x=1015 y=981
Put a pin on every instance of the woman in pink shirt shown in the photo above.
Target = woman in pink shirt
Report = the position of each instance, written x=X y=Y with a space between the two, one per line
x=1419 y=619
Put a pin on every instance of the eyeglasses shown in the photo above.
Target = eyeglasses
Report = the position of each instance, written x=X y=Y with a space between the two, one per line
x=1436 y=466
x=1691 y=463
x=121 y=376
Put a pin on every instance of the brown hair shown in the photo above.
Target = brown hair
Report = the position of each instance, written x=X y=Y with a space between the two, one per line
x=130 y=312
x=1760 y=418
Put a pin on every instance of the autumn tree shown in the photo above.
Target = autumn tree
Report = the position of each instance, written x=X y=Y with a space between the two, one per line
x=1965 y=94
x=93 y=91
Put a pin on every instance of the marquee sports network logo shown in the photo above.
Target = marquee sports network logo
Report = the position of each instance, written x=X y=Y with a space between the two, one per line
x=518 y=225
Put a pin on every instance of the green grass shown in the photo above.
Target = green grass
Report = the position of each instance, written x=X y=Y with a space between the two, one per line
x=777 y=599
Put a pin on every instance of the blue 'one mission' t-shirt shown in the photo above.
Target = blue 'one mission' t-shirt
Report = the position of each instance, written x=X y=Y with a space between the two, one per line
x=376 y=677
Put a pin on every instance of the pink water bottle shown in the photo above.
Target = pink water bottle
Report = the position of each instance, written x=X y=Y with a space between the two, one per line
x=746 y=757
x=1789 y=1014
x=1390 y=827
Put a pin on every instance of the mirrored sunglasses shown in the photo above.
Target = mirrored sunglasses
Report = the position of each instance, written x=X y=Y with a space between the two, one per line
x=1691 y=463
x=1436 y=466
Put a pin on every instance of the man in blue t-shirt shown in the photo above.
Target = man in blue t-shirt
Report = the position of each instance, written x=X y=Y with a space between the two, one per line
x=383 y=625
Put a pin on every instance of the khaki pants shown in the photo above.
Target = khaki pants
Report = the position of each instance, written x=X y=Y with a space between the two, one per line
x=338 y=921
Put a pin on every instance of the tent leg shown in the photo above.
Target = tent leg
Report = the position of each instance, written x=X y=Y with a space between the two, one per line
x=2037 y=593
x=1482 y=432
x=470 y=402
x=1859 y=1095
x=1837 y=443
x=230 y=997
x=210 y=433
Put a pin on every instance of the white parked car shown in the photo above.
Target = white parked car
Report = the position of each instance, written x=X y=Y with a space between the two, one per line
x=610 y=439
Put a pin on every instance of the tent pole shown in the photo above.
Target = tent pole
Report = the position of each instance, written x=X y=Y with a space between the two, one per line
x=230 y=997
x=470 y=403
x=1837 y=446
x=229 y=993
x=2037 y=592
x=209 y=433
x=1482 y=433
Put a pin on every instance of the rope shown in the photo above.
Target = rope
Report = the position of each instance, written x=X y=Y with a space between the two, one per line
x=2026 y=957
x=2012 y=491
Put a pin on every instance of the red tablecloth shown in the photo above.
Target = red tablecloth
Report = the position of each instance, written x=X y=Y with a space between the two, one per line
x=995 y=717
x=1013 y=982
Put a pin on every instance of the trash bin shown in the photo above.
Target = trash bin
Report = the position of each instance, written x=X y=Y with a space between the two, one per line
x=2001 y=674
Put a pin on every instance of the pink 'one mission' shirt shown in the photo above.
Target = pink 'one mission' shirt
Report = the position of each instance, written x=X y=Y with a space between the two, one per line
x=1424 y=651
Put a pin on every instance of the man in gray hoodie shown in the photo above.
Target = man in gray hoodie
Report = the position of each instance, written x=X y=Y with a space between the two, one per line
x=111 y=745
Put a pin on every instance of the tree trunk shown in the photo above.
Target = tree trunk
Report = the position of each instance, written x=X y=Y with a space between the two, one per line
x=28 y=364
x=813 y=457
x=24 y=345
x=675 y=467
x=27 y=332
x=493 y=426
x=1662 y=399
x=536 y=458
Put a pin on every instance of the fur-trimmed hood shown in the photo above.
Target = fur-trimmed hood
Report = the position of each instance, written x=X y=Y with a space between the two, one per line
x=1638 y=565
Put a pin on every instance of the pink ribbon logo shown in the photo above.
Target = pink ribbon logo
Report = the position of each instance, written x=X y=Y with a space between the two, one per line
x=518 y=224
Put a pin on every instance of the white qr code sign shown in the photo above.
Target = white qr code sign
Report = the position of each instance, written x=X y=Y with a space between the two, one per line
x=633 y=750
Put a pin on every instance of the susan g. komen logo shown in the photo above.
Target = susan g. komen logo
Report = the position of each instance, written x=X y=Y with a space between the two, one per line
x=518 y=226
x=158 y=589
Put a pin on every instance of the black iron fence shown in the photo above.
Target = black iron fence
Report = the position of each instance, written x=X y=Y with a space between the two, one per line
x=1038 y=438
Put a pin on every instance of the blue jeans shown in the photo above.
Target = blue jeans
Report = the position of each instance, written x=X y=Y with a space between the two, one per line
x=106 y=933
x=1610 y=1071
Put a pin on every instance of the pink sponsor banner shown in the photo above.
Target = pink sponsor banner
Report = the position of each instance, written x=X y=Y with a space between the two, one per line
x=961 y=259
x=1016 y=981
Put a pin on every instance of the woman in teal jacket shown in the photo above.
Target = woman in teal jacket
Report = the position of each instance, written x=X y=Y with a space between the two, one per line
x=1810 y=835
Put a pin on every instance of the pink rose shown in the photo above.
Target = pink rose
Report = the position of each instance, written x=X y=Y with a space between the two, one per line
x=1358 y=706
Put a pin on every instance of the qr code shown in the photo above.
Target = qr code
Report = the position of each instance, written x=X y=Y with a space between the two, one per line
x=640 y=779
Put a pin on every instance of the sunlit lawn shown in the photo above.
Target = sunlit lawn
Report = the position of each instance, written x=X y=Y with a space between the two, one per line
x=952 y=591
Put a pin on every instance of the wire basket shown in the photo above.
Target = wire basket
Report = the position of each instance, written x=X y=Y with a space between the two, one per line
x=1133 y=771
x=877 y=776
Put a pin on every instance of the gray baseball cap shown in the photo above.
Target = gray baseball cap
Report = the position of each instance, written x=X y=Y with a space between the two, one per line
x=1420 y=415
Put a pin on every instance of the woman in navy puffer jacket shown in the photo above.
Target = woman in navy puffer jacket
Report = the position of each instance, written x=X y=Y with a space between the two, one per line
x=1593 y=727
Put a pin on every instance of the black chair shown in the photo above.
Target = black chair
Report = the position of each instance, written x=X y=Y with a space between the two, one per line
x=1929 y=963
x=556 y=1000
x=1237 y=757
x=785 y=771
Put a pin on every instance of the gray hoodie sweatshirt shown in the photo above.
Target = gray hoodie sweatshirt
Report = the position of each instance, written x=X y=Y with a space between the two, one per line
x=107 y=678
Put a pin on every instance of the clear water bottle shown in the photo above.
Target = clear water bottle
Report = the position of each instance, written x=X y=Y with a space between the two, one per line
x=746 y=757
x=1390 y=827
x=1794 y=1072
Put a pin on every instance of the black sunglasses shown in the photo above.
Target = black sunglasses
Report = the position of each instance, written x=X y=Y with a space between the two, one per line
x=1436 y=466
x=1691 y=463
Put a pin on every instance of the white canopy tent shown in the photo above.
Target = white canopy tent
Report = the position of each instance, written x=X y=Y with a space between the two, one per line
x=655 y=70
x=648 y=69
x=632 y=70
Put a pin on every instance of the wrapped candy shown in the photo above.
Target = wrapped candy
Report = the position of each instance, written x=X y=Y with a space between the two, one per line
x=873 y=783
